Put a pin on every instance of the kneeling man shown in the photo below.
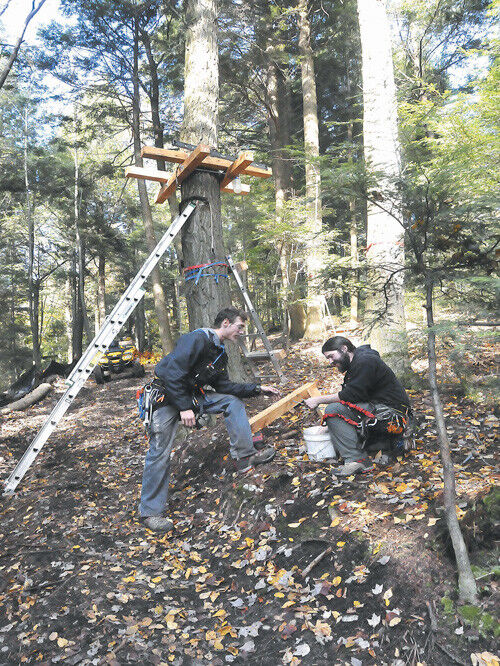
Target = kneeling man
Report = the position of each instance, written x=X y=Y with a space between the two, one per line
x=369 y=385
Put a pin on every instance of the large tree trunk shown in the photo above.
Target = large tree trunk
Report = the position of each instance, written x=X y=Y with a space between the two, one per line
x=466 y=582
x=202 y=240
x=385 y=236
x=278 y=105
x=353 y=233
x=315 y=258
x=158 y=293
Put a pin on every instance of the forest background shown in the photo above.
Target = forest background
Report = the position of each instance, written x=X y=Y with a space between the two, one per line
x=294 y=87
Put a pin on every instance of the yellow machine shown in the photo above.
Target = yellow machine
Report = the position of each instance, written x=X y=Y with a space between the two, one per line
x=121 y=355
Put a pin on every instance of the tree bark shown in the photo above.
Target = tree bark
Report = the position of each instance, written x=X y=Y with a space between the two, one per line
x=158 y=293
x=202 y=240
x=315 y=258
x=33 y=282
x=79 y=241
x=353 y=233
x=278 y=104
x=101 y=291
x=466 y=582
x=385 y=235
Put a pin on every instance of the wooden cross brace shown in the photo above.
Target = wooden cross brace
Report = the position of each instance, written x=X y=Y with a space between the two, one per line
x=199 y=158
x=277 y=409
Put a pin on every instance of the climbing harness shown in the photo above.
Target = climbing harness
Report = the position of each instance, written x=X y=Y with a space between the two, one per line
x=385 y=421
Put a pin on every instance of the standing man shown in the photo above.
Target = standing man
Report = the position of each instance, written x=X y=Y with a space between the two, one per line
x=199 y=359
x=369 y=384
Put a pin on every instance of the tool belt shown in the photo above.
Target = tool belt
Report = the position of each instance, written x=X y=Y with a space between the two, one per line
x=152 y=395
x=149 y=398
x=383 y=420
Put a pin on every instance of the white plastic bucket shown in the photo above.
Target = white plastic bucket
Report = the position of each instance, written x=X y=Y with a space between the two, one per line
x=318 y=443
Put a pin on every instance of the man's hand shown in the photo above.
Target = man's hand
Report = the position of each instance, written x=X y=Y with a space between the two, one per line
x=312 y=403
x=269 y=389
x=188 y=418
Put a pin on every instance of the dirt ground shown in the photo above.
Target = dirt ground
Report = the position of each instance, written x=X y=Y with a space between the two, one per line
x=83 y=582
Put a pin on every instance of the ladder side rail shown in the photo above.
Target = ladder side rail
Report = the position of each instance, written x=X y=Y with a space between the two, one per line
x=110 y=328
x=56 y=415
x=100 y=342
x=105 y=337
x=256 y=319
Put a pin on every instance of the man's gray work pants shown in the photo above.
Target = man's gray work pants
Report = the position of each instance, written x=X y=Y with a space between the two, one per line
x=346 y=438
x=161 y=431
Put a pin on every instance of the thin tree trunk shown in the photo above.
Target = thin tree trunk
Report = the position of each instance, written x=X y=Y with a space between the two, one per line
x=76 y=312
x=158 y=292
x=33 y=283
x=385 y=236
x=466 y=582
x=101 y=290
x=80 y=243
x=202 y=240
x=8 y=66
x=315 y=257
x=68 y=314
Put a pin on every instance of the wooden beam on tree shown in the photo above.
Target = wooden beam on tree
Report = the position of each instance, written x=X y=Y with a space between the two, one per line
x=274 y=411
x=178 y=156
x=245 y=189
x=192 y=161
x=237 y=167
x=147 y=174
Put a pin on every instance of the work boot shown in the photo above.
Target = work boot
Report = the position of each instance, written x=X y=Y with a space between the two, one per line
x=258 y=442
x=158 y=523
x=361 y=466
x=257 y=458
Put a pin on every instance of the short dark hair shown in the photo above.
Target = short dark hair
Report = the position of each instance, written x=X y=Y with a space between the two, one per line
x=231 y=314
x=336 y=344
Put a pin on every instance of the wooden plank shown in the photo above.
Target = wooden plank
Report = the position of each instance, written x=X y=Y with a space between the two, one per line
x=245 y=189
x=314 y=393
x=273 y=412
x=147 y=174
x=178 y=156
x=237 y=167
x=182 y=172
x=262 y=354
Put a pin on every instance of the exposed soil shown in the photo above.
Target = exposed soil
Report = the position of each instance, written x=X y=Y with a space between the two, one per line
x=83 y=582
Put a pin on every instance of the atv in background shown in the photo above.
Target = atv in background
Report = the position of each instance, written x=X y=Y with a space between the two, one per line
x=121 y=356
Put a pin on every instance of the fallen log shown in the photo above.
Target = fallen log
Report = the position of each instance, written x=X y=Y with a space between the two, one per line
x=29 y=399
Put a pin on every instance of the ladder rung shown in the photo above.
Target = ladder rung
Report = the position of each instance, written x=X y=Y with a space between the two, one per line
x=262 y=354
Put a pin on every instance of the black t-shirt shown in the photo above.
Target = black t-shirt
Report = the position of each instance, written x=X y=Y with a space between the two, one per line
x=369 y=379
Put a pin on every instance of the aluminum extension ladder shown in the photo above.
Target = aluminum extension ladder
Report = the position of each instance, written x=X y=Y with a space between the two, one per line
x=256 y=320
x=109 y=330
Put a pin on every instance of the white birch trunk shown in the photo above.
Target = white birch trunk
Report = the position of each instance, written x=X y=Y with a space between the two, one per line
x=385 y=235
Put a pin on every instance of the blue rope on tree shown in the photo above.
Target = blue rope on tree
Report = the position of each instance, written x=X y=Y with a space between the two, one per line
x=197 y=272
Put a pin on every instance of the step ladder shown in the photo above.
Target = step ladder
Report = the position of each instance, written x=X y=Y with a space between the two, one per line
x=270 y=353
x=109 y=330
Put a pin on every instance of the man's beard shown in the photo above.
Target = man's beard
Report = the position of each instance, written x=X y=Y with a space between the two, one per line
x=344 y=363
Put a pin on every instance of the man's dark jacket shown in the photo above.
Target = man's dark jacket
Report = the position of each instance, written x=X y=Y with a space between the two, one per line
x=198 y=360
x=369 y=379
